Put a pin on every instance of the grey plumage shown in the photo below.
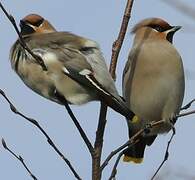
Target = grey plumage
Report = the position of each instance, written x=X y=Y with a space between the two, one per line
x=153 y=81
x=76 y=68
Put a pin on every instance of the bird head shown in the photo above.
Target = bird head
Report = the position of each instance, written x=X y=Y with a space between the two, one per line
x=156 y=28
x=33 y=24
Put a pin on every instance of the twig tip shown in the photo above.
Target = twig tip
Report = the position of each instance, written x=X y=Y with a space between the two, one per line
x=4 y=143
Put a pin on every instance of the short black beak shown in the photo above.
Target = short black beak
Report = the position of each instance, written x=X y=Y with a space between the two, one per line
x=171 y=32
x=22 y=23
x=176 y=28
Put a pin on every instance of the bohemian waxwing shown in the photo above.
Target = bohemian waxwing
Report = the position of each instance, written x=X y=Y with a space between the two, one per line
x=76 y=69
x=153 y=82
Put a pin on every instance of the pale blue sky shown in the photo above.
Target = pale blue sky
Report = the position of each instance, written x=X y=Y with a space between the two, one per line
x=99 y=20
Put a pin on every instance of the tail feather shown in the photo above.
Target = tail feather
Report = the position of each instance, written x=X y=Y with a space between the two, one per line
x=135 y=153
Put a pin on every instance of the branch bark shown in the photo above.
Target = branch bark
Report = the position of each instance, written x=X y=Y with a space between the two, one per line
x=116 y=47
x=96 y=158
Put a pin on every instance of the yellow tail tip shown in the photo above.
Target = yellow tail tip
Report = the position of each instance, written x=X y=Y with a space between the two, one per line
x=135 y=119
x=132 y=159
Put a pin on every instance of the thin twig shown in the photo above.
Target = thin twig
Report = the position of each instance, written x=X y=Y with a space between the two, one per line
x=19 y=158
x=116 y=47
x=22 y=42
x=114 y=170
x=166 y=154
x=49 y=140
x=81 y=131
x=186 y=113
x=188 y=105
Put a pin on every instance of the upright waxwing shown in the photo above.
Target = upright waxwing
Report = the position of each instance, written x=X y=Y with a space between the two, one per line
x=76 y=70
x=153 y=82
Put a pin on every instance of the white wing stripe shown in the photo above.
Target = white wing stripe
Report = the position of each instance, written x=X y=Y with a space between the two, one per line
x=98 y=87
x=85 y=72
x=65 y=70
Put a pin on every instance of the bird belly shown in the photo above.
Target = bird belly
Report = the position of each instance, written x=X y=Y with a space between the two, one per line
x=45 y=83
x=37 y=79
x=72 y=91
x=158 y=100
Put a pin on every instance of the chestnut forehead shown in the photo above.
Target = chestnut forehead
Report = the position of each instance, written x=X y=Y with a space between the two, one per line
x=159 y=22
x=32 y=18
x=151 y=22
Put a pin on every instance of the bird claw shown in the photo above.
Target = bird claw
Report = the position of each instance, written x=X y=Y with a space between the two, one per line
x=147 y=128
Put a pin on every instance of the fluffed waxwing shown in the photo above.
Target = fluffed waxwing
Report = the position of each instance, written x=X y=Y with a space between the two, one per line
x=153 y=82
x=76 y=70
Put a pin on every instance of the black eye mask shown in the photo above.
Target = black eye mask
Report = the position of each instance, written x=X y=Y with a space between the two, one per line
x=36 y=23
x=25 y=28
x=159 y=28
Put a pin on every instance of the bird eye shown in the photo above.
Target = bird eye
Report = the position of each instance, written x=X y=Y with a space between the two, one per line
x=157 y=28
x=36 y=23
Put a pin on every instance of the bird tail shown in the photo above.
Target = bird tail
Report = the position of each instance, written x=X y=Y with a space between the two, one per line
x=135 y=153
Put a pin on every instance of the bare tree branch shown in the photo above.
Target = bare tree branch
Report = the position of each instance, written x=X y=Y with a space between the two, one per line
x=96 y=159
x=116 y=47
x=81 y=131
x=186 y=113
x=19 y=158
x=166 y=155
x=114 y=170
x=22 y=42
x=188 y=105
x=49 y=140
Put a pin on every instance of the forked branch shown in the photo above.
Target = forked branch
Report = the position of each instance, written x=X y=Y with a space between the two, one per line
x=49 y=140
x=96 y=159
